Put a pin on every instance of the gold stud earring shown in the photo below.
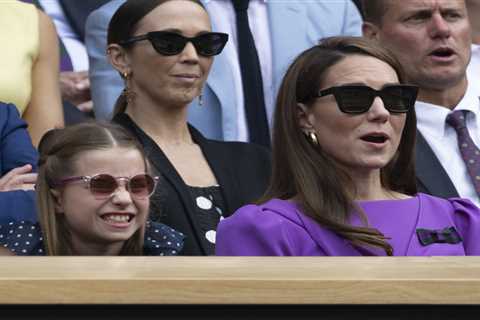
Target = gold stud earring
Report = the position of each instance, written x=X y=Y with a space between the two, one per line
x=312 y=137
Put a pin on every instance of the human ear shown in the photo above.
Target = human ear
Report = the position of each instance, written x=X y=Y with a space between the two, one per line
x=118 y=58
x=305 y=118
x=58 y=200
x=370 y=31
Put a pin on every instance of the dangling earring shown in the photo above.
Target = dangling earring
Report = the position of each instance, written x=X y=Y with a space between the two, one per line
x=127 y=91
x=200 y=100
x=312 y=137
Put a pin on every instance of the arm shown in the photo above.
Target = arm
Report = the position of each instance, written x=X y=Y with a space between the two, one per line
x=106 y=84
x=44 y=111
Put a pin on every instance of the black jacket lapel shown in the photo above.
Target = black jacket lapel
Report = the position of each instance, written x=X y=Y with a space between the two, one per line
x=431 y=177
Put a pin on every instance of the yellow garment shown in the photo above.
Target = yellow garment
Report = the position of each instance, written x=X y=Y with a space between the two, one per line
x=19 y=38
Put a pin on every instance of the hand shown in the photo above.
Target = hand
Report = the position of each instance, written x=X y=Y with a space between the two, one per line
x=21 y=178
x=75 y=88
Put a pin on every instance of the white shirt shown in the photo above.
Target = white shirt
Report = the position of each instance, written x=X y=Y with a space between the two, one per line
x=442 y=138
x=75 y=47
x=222 y=15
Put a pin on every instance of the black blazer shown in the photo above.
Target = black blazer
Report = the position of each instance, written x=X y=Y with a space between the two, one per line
x=431 y=177
x=241 y=169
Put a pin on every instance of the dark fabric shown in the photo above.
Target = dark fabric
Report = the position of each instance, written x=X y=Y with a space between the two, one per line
x=431 y=177
x=446 y=235
x=242 y=170
x=77 y=12
x=210 y=206
x=25 y=238
x=469 y=151
x=251 y=78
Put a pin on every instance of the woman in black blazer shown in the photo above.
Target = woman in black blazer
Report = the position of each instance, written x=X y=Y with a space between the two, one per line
x=164 y=50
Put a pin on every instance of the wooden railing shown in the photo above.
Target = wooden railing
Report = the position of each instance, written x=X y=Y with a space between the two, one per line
x=235 y=280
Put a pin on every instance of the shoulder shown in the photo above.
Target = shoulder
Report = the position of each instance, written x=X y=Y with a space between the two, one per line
x=22 y=238
x=161 y=240
x=270 y=218
x=9 y=117
x=270 y=229
x=240 y=150
x=452 y=204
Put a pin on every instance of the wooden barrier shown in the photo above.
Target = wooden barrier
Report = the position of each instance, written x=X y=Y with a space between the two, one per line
x=251 y=287
x=232 y=280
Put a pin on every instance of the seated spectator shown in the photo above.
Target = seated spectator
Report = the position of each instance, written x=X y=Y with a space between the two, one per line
x=30 y=60
x=164 y=71
x=93 y=194
x=343 y=180
x=18 y=164
x=224 y=112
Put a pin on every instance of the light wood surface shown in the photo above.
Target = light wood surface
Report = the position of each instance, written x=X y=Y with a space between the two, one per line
x=232 y=280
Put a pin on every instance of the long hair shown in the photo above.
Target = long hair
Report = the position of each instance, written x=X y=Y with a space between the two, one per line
x=307 y=174
x=123 y=25
x=59 y=149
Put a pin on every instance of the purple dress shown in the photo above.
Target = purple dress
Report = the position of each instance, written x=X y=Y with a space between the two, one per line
x=419 y=226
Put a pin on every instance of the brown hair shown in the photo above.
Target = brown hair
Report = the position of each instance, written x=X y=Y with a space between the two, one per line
x=374 y=10
x=304 y=172
x=59 y=149
x=122 y=27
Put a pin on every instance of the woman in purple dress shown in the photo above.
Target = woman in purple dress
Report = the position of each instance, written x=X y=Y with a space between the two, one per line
x=343 y=181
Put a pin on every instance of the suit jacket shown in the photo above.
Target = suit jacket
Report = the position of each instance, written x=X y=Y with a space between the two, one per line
x=431 y=177
x=216 y=119
x=16 y=150
x=242 y=170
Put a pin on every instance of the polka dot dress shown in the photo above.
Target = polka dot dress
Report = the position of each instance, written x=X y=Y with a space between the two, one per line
x=209 y=209
x=25 y=238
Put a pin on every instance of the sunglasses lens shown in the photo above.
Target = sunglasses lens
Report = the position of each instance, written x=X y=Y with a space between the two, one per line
x=141 y=186
x=210 y=44
x=354 y=99
x=167 y=43
x=398 y=99
x=103 y=185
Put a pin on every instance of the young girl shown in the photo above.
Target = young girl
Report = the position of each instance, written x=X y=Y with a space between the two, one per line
x=93 y=192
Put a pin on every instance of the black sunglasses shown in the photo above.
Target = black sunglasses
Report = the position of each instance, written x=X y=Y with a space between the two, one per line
x=171 y=43
x=102 y=186
x=356 y=99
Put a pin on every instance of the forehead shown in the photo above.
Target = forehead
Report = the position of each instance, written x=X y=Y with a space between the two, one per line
x=117 y=161
x=176 y=15
x=360 y=69
x=404 y=6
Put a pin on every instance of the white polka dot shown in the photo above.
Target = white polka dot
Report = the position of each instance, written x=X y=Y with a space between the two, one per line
x=464 y=145
x=24 y=251
x=204 y=203
x=11 y=231
x=174 y=252
x=19 y=235
x=11 y=223
x=157 y=246
x=221 y=218
x=211 y=235
x=27 y=243
x=471 y=161
x=154 y=241
x=16 y=244
x=41 y=238
x=1 y=235
x=32 y=227
x=156 y=230
x=169 y=243
x=20 y=227
x=30 y=235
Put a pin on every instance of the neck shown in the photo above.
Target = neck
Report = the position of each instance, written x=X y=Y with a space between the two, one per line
x=165 y=124
x=367 y=185
x=447 y=98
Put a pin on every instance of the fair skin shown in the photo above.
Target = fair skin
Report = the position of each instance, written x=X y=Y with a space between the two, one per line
x=101 y=226
x=75 y=88
x=45 y=111
x=165 y=85
x=431 y=38
x=21 y=178
x=473 y=8
x=347 y=138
